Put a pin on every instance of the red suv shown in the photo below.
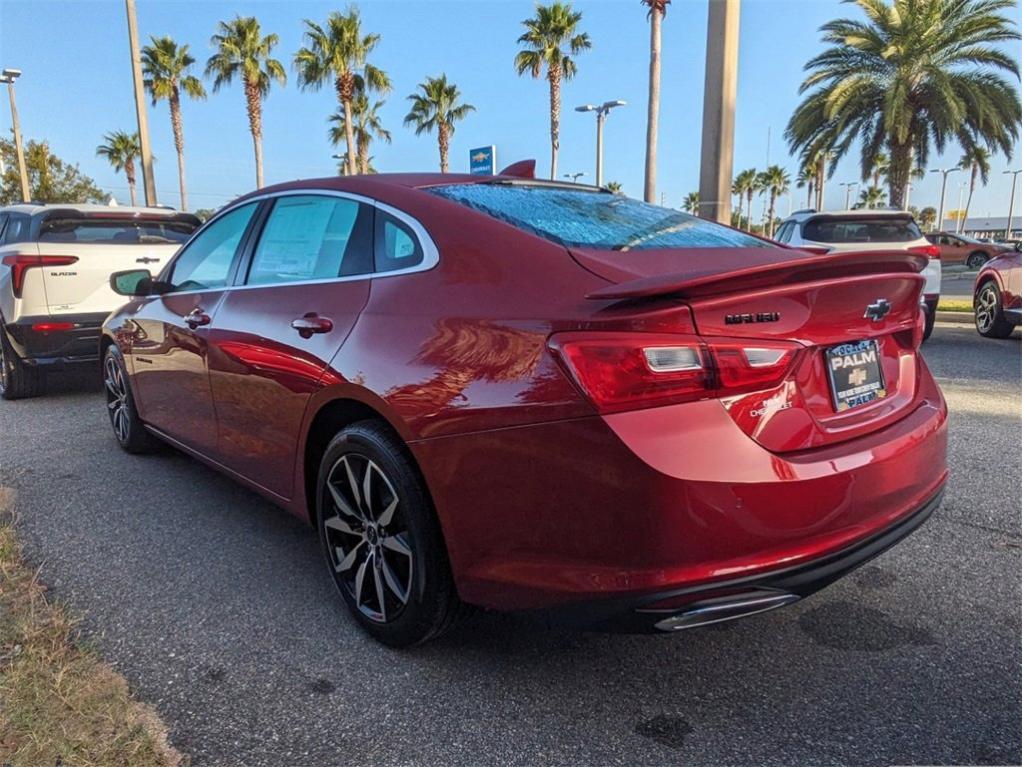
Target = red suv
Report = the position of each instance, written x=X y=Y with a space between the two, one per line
x=535 y=396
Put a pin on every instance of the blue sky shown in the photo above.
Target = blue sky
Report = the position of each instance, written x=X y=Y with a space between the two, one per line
x=77 y=86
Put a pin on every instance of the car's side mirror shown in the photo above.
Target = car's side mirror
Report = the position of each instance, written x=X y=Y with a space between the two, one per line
x=136 y=282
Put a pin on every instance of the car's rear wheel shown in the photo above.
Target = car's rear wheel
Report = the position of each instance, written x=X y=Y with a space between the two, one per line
x=129 y=430
x=990 y=321
x=976 y=260
x=381 y=538
x=17 y=380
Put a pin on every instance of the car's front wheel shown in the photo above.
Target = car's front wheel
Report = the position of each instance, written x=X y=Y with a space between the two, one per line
x=976 y=260
x=381 y=538
x=129 y=430
x=17 y=380
x=990 y=320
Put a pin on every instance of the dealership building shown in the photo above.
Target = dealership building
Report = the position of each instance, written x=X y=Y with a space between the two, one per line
x=992 y=227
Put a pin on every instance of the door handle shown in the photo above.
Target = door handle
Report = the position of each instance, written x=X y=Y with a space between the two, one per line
x=312 y=323
x=195 y=318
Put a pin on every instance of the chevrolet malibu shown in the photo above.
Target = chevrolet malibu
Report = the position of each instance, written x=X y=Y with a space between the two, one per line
x=532 y=396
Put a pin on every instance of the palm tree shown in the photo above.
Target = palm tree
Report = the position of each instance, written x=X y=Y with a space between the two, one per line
x=437 y=107
x=121 y=149
x=165 y=66
x=977 y=161
x=927 y=218
x=241 y=49
x=657 y=11
x=915 y=72
x=691 y=203
x=339 y=53
x=879 y=169
x=745 y=186
x=871 y=197
x=775 y=182
x=547 y=34
x=806 y=179
x=613 y=186
x=367 y=127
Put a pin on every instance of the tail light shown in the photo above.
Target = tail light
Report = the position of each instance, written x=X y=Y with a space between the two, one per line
x=21 y=263
x=926 y=250
x=630 y=371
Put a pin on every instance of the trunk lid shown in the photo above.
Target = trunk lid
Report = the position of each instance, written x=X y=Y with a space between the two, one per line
x=821 y=302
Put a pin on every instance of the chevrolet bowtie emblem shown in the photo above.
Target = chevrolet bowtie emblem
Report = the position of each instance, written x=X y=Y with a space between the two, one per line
x=877 y=310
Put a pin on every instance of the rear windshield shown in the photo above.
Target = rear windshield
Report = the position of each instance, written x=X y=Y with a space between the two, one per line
x=594 y=219
x=125 y=232
x=880 y=229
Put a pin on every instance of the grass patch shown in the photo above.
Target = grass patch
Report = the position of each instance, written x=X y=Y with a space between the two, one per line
x=955 y=305
x=59 y=703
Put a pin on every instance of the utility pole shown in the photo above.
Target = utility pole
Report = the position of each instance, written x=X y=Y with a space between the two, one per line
x=1011 y=202
x=148 y=180
x=9 y=76
x=943 y=187
x=719 y=94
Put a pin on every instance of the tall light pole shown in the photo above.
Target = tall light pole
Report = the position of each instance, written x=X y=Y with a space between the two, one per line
x=342 y=163
x=9 y=76
x=943 y=187
x=1011 y=201
x=575 y=176
x=848 y=191
x=148 y=180
x=719 y=92
x=959 y=219
x=601 y=114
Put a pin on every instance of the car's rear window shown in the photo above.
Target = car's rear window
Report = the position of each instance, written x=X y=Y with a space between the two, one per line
x=879 y=229
x=594 y=219
x=120 y=231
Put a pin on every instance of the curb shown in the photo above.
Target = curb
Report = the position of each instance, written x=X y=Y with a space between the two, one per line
x=958 y=318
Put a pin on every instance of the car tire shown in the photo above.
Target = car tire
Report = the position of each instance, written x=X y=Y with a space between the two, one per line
x=928 y=323
x=129 y=431
x=976 y=260
x=17 y=380
x=385 y=551
x=990 y=320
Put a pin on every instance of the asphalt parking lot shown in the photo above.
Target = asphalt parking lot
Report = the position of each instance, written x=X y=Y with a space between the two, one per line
x=217 y=609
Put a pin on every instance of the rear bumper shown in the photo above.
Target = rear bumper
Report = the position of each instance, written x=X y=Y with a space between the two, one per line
x=37 y=344
x=693 y=606
x=624 y=509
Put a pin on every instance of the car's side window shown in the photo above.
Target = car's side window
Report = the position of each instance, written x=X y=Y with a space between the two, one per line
x=17 y=228
x=313 y=237
x=784 y=235
x=205 y=263
x=396 y=247
x=3 y=221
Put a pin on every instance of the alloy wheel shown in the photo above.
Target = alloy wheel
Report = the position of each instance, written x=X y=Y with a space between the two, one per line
x=367 y=539
x=986 y=308
x=4 y=370
x=116 y=398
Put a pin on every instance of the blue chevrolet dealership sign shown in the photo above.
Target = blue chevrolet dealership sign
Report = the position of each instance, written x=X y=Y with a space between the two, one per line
x=483 y=161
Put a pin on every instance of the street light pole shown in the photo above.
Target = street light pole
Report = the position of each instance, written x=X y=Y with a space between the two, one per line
x=601 y=114
x=574 y=176
x=848 y=191
x=9 y=76
x=959 y=220
x=148 y=180
x=719 y=93
x=1011 y=202
x=943 y=187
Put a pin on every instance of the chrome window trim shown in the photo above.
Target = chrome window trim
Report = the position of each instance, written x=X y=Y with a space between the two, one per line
x=430 y=253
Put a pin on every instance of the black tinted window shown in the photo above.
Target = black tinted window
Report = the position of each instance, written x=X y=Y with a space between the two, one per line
x=115 y=231
x=879 y=229
x=595 y=219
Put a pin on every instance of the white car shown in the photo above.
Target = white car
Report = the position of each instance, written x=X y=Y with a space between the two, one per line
x=55 y=267
x=866 y=229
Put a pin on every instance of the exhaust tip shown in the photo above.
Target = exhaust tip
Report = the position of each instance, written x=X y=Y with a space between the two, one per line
x=724 y=609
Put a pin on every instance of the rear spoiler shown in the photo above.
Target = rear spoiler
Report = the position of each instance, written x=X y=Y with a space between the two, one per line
x=807 y=269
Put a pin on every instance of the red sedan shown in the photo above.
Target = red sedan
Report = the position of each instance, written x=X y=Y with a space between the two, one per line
x=997 y=295
x=526 y=395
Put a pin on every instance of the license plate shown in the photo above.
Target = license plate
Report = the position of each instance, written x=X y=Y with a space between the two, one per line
x=856 y=377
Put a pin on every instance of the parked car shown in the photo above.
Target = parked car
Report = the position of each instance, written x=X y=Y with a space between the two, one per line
x=55 y=266
x=997 y=295
x=962 y=250
x=526 y=395
x=863 y=230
